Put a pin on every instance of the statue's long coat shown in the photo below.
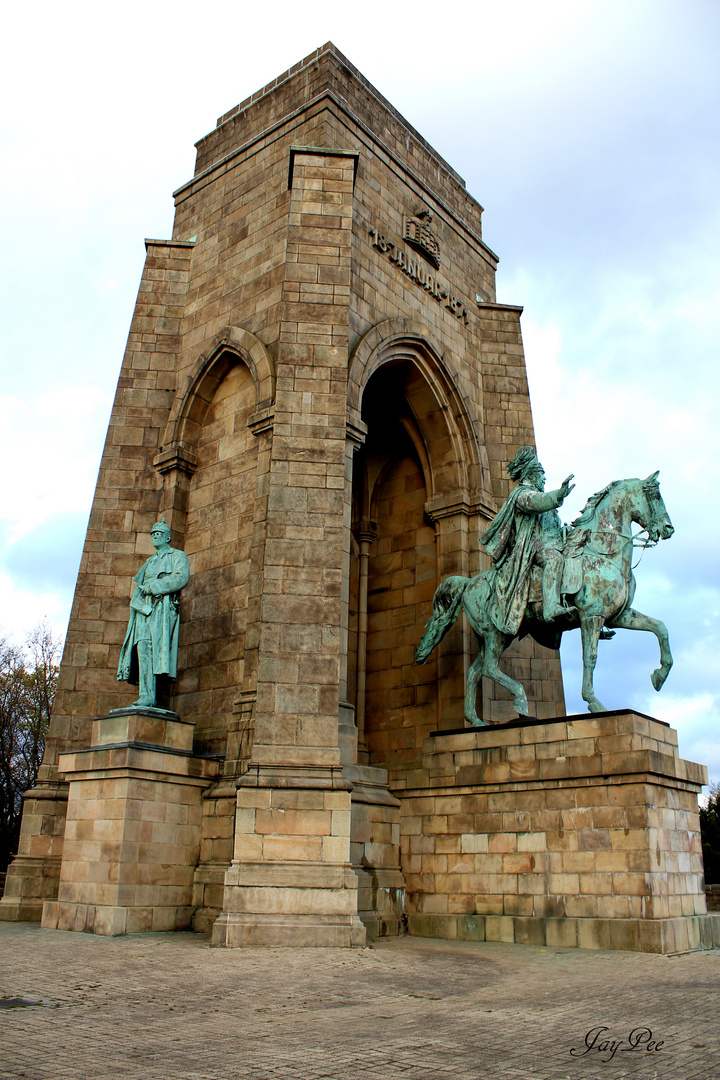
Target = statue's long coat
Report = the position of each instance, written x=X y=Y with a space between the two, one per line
x=172 y=571
x=528 y=520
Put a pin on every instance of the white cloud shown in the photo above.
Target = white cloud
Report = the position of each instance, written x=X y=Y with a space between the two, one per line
x=51 y=444
x=24 y=609
x=587 y=128
x=690 y=716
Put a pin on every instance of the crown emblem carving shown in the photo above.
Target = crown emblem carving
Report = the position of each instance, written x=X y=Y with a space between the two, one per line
x=417 y=233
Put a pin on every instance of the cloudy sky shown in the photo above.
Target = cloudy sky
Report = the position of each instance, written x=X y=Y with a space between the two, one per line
x=588 y=131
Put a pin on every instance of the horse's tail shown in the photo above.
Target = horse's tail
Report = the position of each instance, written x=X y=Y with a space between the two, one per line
x=446 y=608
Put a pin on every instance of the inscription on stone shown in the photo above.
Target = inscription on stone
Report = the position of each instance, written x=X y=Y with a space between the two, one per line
x=415 y=270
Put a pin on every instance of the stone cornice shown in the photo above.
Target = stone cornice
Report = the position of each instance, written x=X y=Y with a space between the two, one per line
x=169 y=243
x=262 y=421
x=457 y=502
x=176 y=457
x=489 y=305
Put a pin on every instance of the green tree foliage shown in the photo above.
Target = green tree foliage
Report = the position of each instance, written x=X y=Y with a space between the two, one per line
x=710 y=833
x=28 y=678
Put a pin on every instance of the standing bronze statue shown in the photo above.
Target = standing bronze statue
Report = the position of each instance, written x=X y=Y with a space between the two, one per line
x=150 y=647
x=546 y=578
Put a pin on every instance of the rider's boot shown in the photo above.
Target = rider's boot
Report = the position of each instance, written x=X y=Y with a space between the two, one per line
x=552 y=605
x=147 y=679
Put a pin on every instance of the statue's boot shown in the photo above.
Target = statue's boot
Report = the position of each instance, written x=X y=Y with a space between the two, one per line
x=147 y=679
x=552 y=605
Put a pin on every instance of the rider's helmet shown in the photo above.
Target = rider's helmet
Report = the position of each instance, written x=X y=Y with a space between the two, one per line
x=524 y=462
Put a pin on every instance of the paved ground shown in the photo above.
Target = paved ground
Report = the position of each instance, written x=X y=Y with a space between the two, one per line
x=167 y=1007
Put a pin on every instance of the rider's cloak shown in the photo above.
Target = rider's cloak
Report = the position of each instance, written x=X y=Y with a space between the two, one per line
x=527 y=521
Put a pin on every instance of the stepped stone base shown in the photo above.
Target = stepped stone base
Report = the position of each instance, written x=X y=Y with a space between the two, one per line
x=112 y=921
x=293 y=904
x=132 y=835
x=682 y=934
x=290 y=881
x=375 y=851
x=33 y=875
x=296 y=931
x=579 y=831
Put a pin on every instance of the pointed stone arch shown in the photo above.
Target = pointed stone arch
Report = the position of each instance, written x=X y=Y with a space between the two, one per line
x=230 y=346
x=421 y=485
x=450 y=422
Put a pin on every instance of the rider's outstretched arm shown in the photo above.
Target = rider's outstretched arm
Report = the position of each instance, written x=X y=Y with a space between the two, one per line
x=539 y=502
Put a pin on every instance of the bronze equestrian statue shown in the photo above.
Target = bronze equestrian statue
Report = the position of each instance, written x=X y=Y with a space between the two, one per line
x=547 y=578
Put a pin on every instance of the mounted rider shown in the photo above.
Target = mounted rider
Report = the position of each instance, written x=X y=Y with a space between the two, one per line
x=526 y=532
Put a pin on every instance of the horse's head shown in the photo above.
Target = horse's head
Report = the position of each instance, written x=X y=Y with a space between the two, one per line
x=652 y=515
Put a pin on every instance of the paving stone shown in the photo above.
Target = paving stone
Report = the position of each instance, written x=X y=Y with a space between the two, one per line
x=167 y=1005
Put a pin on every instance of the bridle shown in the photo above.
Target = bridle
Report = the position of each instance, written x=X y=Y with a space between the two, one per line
x=641 y=539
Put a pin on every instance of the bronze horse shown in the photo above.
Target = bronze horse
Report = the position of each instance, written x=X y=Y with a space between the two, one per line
x=600 y=543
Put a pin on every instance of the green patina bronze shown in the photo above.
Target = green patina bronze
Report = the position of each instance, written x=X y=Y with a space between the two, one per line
x=547 y=578
x=150 y=647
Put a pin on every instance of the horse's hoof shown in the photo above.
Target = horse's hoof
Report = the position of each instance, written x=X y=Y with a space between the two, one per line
x=520 y=706
x=478 y=723
x=596 y=706
x=658 y=678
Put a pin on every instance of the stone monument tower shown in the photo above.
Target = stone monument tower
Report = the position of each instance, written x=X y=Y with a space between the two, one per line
x=319 y=396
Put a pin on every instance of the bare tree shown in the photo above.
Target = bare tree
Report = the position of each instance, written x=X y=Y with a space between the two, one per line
x=28 y=678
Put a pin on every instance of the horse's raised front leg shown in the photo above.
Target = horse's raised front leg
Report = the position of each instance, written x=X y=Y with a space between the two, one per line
x=471 y=684
x=590 y=627
x=495 y=645
x=635 y=620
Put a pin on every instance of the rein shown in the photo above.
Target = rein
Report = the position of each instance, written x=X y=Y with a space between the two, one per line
x=634 y=539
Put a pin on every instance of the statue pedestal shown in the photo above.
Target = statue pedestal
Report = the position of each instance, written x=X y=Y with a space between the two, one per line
x=33 y=875
x=581 y=831
x=132 y=834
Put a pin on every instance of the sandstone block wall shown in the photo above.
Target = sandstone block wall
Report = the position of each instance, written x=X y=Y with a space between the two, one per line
x=322 y=411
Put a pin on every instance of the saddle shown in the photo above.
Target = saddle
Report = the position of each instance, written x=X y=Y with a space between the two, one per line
x=571 y=580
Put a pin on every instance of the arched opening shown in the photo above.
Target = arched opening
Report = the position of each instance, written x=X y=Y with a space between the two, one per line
x=217 y=540
x=414 y=452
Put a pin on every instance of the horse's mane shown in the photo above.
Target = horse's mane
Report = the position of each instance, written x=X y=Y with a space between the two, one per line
x=588 y=511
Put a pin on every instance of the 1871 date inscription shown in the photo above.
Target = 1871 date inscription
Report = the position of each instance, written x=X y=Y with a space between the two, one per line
x=415 y=270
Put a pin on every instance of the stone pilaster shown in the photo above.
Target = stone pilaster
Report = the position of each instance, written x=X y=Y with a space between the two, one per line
x=292 y=825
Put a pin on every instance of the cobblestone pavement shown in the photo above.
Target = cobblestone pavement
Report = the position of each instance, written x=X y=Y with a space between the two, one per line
x=167 y=1006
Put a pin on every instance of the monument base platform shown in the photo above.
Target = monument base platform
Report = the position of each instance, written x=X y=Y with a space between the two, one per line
x=582 y=831
x=375 y=851
x=132 y=835
x=683 y=934
x=34 y=873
